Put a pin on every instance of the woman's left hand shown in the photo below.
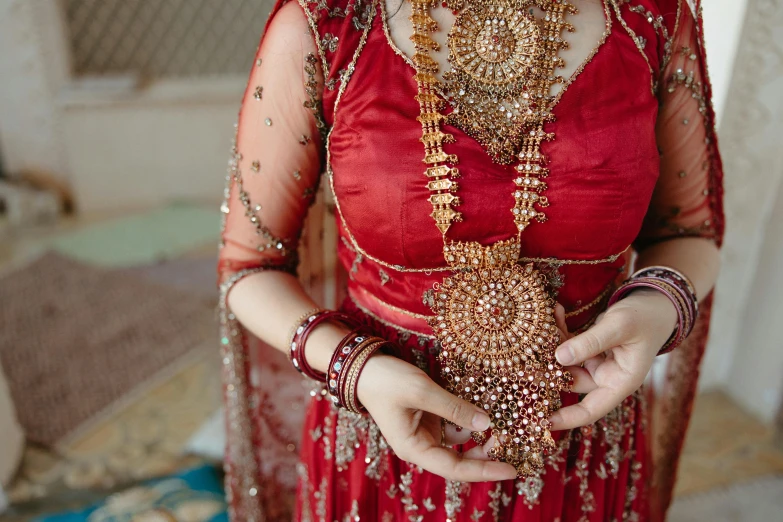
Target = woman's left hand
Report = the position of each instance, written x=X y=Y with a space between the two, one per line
x=617 y=352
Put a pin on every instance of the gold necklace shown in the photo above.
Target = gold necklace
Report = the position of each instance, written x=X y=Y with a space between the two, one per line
x=494 y=317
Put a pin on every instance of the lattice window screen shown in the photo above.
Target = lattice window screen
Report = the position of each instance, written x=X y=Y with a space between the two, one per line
x=165 y=38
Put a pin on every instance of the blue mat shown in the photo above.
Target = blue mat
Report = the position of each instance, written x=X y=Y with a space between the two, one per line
x=193 y=495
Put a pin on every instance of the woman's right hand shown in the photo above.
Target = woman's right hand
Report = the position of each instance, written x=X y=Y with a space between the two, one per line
x=408 y=407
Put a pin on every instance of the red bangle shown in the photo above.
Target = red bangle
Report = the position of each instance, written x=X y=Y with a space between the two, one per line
x=302 y=332
x=344 y=348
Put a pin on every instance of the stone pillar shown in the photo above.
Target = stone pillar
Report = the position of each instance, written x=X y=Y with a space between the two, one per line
x=34 y=66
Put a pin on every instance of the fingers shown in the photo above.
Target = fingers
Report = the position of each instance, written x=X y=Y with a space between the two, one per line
x=608 y=333
x=560 y=321
x=452 y=466
x=592 y=407
x=583 y=380
x=435 y=399
x=592 y=364
x=455 y=435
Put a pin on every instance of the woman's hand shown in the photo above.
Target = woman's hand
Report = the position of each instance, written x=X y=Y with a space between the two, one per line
x=408 y=407
x=617 y=352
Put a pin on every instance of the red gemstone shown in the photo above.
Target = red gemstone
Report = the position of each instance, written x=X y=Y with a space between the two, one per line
x=495 y=39
x=496 y=310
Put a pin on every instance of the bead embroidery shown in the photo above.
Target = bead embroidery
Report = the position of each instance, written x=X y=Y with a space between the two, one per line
x=329 y=42
x=313 y=102
x=271 y=241
x=659 y=26
x=640 y=44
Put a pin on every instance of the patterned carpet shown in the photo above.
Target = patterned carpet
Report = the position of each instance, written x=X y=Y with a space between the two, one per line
x=79 y=338
x=144 y=440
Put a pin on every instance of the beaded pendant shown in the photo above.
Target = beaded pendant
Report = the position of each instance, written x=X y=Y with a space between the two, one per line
x=494 y=317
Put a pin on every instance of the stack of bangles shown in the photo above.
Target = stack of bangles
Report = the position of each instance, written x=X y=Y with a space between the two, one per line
x=347 y=361
x=676 y=287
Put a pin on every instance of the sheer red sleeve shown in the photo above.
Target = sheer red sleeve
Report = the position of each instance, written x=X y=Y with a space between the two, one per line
x=275 y=163
x=687 y=200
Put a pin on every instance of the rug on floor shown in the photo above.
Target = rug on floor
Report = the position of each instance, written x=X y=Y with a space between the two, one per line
x=144 y=238
x=145 y=439
x=192 y=495
x=76 y=339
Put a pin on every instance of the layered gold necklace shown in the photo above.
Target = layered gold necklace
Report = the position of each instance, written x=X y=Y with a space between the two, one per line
x=495 y=317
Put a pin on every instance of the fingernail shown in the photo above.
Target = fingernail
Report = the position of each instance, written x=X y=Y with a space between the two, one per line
x=511 y=475
x=480 y=421
x=565 y=355
x=507 y=473
x=554 y=419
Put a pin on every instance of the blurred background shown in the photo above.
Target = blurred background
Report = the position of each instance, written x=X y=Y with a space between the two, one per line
x=115 y=125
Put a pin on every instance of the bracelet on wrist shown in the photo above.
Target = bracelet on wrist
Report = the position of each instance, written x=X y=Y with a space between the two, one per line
x=676 y=287
x=302 y=331
x=346 y=366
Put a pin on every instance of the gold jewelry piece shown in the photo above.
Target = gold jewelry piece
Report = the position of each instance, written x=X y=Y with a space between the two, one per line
x=298 y=324
x=501 y=71
x=366 y=350
x=479 y=437
x=496 y=324
x=443 y=432
x=494 y=317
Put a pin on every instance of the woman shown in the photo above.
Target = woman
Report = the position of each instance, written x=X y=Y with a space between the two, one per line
x=579 y=136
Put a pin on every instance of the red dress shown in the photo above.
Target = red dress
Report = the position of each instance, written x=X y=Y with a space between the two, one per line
x=634 y=161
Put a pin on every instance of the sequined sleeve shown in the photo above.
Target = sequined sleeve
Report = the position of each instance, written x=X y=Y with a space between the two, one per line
x=276 y=158
x=687 y=200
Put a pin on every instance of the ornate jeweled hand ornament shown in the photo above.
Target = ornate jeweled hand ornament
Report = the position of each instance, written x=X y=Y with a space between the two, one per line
x=494 y=317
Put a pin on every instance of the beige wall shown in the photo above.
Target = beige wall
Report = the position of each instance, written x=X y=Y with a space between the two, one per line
x=755 y=376
x=743 y=347
x=723 y=21
x=139 y=149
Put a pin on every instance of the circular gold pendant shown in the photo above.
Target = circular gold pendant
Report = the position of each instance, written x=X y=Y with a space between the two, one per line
x=494 y=43
x=496 y=316
x=497 y=330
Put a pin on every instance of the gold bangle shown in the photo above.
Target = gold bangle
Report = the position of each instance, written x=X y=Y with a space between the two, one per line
x=357 y=363
x=298 y=324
